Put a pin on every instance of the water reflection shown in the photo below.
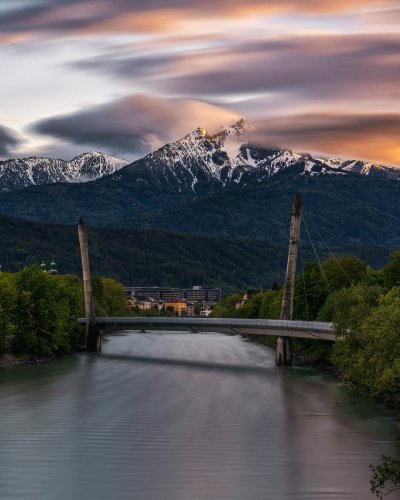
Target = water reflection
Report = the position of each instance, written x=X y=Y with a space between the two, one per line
x=184 y=417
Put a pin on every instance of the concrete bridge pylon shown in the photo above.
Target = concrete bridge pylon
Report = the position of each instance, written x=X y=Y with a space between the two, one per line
x=93 y=332
x=283 y=351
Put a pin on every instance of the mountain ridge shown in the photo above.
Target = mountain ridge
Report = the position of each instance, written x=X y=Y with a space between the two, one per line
x=228 y=156
x=33 y=171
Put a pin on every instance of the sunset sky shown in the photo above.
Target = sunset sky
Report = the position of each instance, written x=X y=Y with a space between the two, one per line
x=126 y=76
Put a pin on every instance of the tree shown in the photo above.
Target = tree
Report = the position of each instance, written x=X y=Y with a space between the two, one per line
x=270 y=306
x=385 y=477
x=109 y=297
x=8 y=309
x=251 y=307
x=319 y=281
x=310 y=292
x=368 y=353
x=348 y=307
x=344 y=272
x=391 y=272
x=47 y=310
x=4 y=329
x=226 y=308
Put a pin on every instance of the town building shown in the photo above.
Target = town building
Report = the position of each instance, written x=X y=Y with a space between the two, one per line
x=194 y=294
x=156 y=293
x=143 y=303
x=52 y=269
x=177 y=307
x=200 y=294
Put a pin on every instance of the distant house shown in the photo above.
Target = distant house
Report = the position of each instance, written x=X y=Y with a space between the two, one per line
x=142 y=302
x=178 y=307
x=206 y=310
x=246 y=296
x=53 y=267
x=190 y=309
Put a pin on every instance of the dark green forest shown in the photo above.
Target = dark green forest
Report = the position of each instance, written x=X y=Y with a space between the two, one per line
x=146 y=258
x=361 y=211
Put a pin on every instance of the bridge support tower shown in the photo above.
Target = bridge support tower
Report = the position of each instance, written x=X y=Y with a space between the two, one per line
x=283 y=350
x=93 y=332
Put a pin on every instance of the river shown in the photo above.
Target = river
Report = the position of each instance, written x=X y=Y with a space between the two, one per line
x=184 y=417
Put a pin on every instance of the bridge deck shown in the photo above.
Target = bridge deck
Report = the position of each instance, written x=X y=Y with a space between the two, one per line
x=301 y=329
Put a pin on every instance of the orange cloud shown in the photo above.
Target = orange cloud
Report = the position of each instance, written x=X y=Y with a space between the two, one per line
x=161 y=20
x=373 y=137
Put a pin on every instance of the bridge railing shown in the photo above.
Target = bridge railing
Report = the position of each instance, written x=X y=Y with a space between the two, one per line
x=304 y=329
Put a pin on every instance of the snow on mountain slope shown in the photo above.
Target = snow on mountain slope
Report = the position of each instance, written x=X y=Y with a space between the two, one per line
x=20 y=173
x=200 y=160
x=196 y=164
x=365 y=168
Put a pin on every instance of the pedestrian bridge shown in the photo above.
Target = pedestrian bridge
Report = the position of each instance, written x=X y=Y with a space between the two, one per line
x=300 y=329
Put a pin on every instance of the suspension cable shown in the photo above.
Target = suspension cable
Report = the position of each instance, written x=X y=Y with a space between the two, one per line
x=319 y=262
x=304 y=279
x=328 y=248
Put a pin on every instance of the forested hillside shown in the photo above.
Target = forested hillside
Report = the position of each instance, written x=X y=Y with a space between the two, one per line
x=156 y=257
x=346 y=209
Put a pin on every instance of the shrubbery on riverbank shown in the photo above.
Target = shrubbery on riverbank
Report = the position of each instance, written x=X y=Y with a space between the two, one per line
x=41 y=310
x=364 y=306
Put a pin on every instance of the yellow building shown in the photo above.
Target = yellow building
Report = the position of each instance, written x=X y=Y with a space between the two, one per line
x=179 y=307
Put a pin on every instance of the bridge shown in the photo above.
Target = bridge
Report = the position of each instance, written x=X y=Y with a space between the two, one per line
x=231 y=326
x=284 y=328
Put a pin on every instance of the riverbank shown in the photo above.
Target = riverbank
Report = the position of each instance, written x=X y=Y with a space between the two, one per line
x=301 y=355
x=9 y=360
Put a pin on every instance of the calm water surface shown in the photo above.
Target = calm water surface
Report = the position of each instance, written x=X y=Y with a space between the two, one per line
x=184 y=417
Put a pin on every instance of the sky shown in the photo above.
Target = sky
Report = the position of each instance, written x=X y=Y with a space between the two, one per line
x=126 y=76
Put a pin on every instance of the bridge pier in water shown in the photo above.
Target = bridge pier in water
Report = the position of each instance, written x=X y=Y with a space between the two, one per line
x=283 y=348
x=93 y=332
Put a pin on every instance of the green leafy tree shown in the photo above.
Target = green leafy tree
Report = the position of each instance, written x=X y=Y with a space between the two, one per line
x=391 y=272
x=310 y=292
x=109 y=297
x=251 y=307
x=270 y=306
x=348 y=307
x=226 y=308
x=4 y=330
x=385 y=477
x=8 y=308
x=344 y=272
x=48 y=307
x=318 y=281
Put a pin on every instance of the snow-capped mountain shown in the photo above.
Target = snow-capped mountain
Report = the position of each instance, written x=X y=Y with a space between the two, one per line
x=20 y=173
x=223 y=184
x=199 y=161
x=196 y=163
x=364 y=168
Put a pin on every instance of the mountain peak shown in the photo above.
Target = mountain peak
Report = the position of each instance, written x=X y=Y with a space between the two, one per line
x=20 y=173
x=241 y=126
x=238 y=128
x=201 y=132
